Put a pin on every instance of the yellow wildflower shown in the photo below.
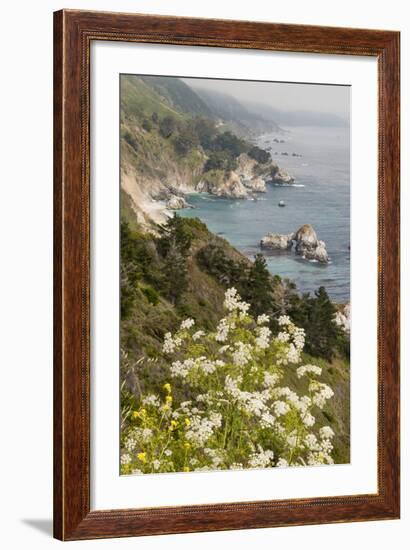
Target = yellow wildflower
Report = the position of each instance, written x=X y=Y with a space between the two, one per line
x=135 y=414
x=186 y=468
x=187 y=445
x=168 y=399
x=167 y=387
x=187 y=422
x=173 y=425
x=142 y=457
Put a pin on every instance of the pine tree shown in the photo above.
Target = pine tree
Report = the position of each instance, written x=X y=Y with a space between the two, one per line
x=317 y=316
x=258 y=287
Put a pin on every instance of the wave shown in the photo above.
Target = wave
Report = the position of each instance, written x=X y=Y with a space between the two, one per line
x=288 y=185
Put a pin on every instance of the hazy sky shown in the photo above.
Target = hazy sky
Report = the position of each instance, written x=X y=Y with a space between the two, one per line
x=319 y=98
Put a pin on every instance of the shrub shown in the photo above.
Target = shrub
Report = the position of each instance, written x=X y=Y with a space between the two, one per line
x=146 y=124
x=260 y=155
x=185 y=141
x=130 y=139
x=151 y=295
x=227 y=141
x=221 y=160
x=167 y=126
x=239 y=416
x=316 y=314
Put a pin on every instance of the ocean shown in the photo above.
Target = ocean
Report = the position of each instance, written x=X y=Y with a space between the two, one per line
x=320 y=197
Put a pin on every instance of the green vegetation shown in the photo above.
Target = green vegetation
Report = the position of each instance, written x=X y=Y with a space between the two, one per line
x=222 y=403
x=183 y=272
x=260 y=155
x=180 y=271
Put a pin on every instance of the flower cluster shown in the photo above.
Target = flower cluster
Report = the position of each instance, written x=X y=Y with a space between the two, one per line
x=239 y=413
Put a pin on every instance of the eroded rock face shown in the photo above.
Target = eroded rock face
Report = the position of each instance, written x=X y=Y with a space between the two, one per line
x=256 y=184
x=278 y=175
x=306 y=236
x=177 y=203
x=308 y=246
x=275 y=241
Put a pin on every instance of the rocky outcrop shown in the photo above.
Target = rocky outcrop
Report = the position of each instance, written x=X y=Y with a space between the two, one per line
x=342 y=318
x=308 y=246
x=304 y=241
x=227 y=186
x=275 y=241
x=256 y=185
x=281 y=176
x=176 y=202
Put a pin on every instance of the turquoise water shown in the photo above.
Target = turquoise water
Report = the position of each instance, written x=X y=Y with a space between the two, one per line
x=320 y=197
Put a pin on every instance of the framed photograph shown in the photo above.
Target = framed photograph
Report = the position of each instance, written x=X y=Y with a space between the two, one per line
x=226 y=275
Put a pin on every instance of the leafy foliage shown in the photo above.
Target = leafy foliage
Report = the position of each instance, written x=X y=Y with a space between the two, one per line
x=317 y=315
x=167 y=126
x=260 y=155
x=239 y=414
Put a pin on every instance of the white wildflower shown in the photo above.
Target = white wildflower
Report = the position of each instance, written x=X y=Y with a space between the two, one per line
x=280 y=408
x=270 y=379
x=283 y=337
x=284 y=320
x=326 y=432
x=267 y=420
x=222 y=330
x=261 y=459
x=292 y=439
x=146 y=434
x=293 y=355
x=197 y=335
x=311 y=442
x=151 y=400
x=187 y=324
x=282 y=463
x=308 y=369
x=242 y=355
x=308 y=420
x=170 y=344
x=263 y=339
x=125 y=459
x=262 y=319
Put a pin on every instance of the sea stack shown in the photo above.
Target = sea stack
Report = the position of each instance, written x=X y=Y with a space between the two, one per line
x=305 y=240
x=308 y=246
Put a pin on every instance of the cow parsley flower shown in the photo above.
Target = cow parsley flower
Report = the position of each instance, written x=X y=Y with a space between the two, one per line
x=242 y=355
x=262 y=319
x=261 y=459
x=326 y=432
x=308 y=369
x=280 y=408
x=282 y=463
x=262 y=341
x=284 y=321
x=187 y=324
x=222 y=331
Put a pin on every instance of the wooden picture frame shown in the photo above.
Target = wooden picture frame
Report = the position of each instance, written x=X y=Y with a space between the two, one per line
x=74 y=32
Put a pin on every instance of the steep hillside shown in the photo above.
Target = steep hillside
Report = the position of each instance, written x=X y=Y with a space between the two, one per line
x=245 y=121
x=179 y=95
x=171 y=146
x=183 y=273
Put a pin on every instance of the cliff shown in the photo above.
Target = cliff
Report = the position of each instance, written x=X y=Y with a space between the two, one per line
x=172 y=146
